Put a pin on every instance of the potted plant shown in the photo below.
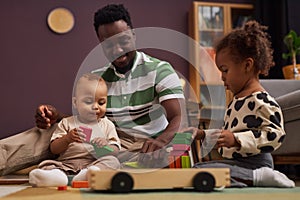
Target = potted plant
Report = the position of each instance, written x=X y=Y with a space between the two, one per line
x=292 y=41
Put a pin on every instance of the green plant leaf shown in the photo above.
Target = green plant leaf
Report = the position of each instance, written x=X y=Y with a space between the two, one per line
x=288 y=41
x=285 y=55
x=292 y=42
x=297 y=42
x=293 y=34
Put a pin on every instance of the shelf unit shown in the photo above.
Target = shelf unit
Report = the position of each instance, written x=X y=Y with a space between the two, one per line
x=208 y=22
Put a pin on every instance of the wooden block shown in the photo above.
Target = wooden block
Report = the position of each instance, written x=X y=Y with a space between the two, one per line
x=171 y=162
x=134 y=164
x=64 y=187
x=183 y=135
x=80 y=184
x=102 y=151
x=181 y=141
x=185 y=162
x=184 y=147
x=178 y=153
x=177 y=162
x=182 y=138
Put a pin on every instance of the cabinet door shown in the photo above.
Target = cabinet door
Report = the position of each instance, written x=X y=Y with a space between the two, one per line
x=207 y=24
x=210 y=24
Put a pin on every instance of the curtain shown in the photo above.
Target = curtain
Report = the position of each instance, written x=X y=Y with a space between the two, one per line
x=274 y=14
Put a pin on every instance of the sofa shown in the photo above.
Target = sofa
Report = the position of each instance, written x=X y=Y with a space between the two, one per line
x=287 y=94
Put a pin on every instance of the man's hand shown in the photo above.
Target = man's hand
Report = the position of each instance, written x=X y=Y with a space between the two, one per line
x=46 y=116
x=153 y=153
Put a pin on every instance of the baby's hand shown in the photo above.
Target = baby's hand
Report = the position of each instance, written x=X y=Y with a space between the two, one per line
x=227 y=139
x=100 y=142
x=75 y=135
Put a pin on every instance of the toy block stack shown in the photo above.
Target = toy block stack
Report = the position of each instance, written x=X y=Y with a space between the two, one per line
x=180 y=155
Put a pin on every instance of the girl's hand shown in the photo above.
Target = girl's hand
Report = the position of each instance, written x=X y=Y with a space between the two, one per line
x=227 y=139
x=100 y=142
x=75 y=135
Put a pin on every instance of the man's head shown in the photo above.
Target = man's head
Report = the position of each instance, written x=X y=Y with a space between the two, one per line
x=113 y=26
x=111 y=13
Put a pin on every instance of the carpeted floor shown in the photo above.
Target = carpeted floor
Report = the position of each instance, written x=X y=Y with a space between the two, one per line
x=228 y=193
x=26 y=192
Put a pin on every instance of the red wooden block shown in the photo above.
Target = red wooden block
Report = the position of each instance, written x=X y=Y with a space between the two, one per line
x=64 y=187
x=171 y=162
x=177 y=162
x=80 y=184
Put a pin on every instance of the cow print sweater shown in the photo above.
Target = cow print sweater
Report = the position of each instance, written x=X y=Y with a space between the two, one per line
x=257 y=124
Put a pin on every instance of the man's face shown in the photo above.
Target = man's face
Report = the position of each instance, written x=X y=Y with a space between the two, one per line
x=118 y=43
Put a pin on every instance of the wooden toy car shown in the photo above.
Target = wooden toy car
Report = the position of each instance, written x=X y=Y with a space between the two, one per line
x=121 y=181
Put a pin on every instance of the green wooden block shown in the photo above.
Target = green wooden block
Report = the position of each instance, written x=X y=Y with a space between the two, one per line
x=183 y=135
x=181 y=141
x=185 y=162
x=102 y=151
x=132 y=164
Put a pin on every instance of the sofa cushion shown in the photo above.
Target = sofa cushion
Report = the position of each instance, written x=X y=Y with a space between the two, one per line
x=279 y=87
x=25 y=149
x=290 y=145
x=290 y=105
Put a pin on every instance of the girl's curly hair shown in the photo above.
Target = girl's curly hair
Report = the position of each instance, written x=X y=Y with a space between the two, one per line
x=250 y=40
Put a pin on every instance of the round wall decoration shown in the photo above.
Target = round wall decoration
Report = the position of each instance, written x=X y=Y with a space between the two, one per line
x=60 y=20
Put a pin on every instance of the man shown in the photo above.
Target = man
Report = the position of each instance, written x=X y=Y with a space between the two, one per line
x=145 y=97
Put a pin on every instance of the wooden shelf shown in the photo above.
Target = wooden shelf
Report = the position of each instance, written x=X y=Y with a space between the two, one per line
x=208 y=22
x=287 y=159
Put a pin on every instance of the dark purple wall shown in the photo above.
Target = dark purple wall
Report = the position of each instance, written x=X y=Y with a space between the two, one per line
x=39 y=66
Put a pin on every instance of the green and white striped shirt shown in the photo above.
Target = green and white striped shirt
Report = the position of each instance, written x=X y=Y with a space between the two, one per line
x=134 y=98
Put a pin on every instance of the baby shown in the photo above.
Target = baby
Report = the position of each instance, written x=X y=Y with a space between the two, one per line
x=75 y=155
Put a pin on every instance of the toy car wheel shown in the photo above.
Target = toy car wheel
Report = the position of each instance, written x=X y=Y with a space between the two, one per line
x=121 y=182
x=204 y=182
